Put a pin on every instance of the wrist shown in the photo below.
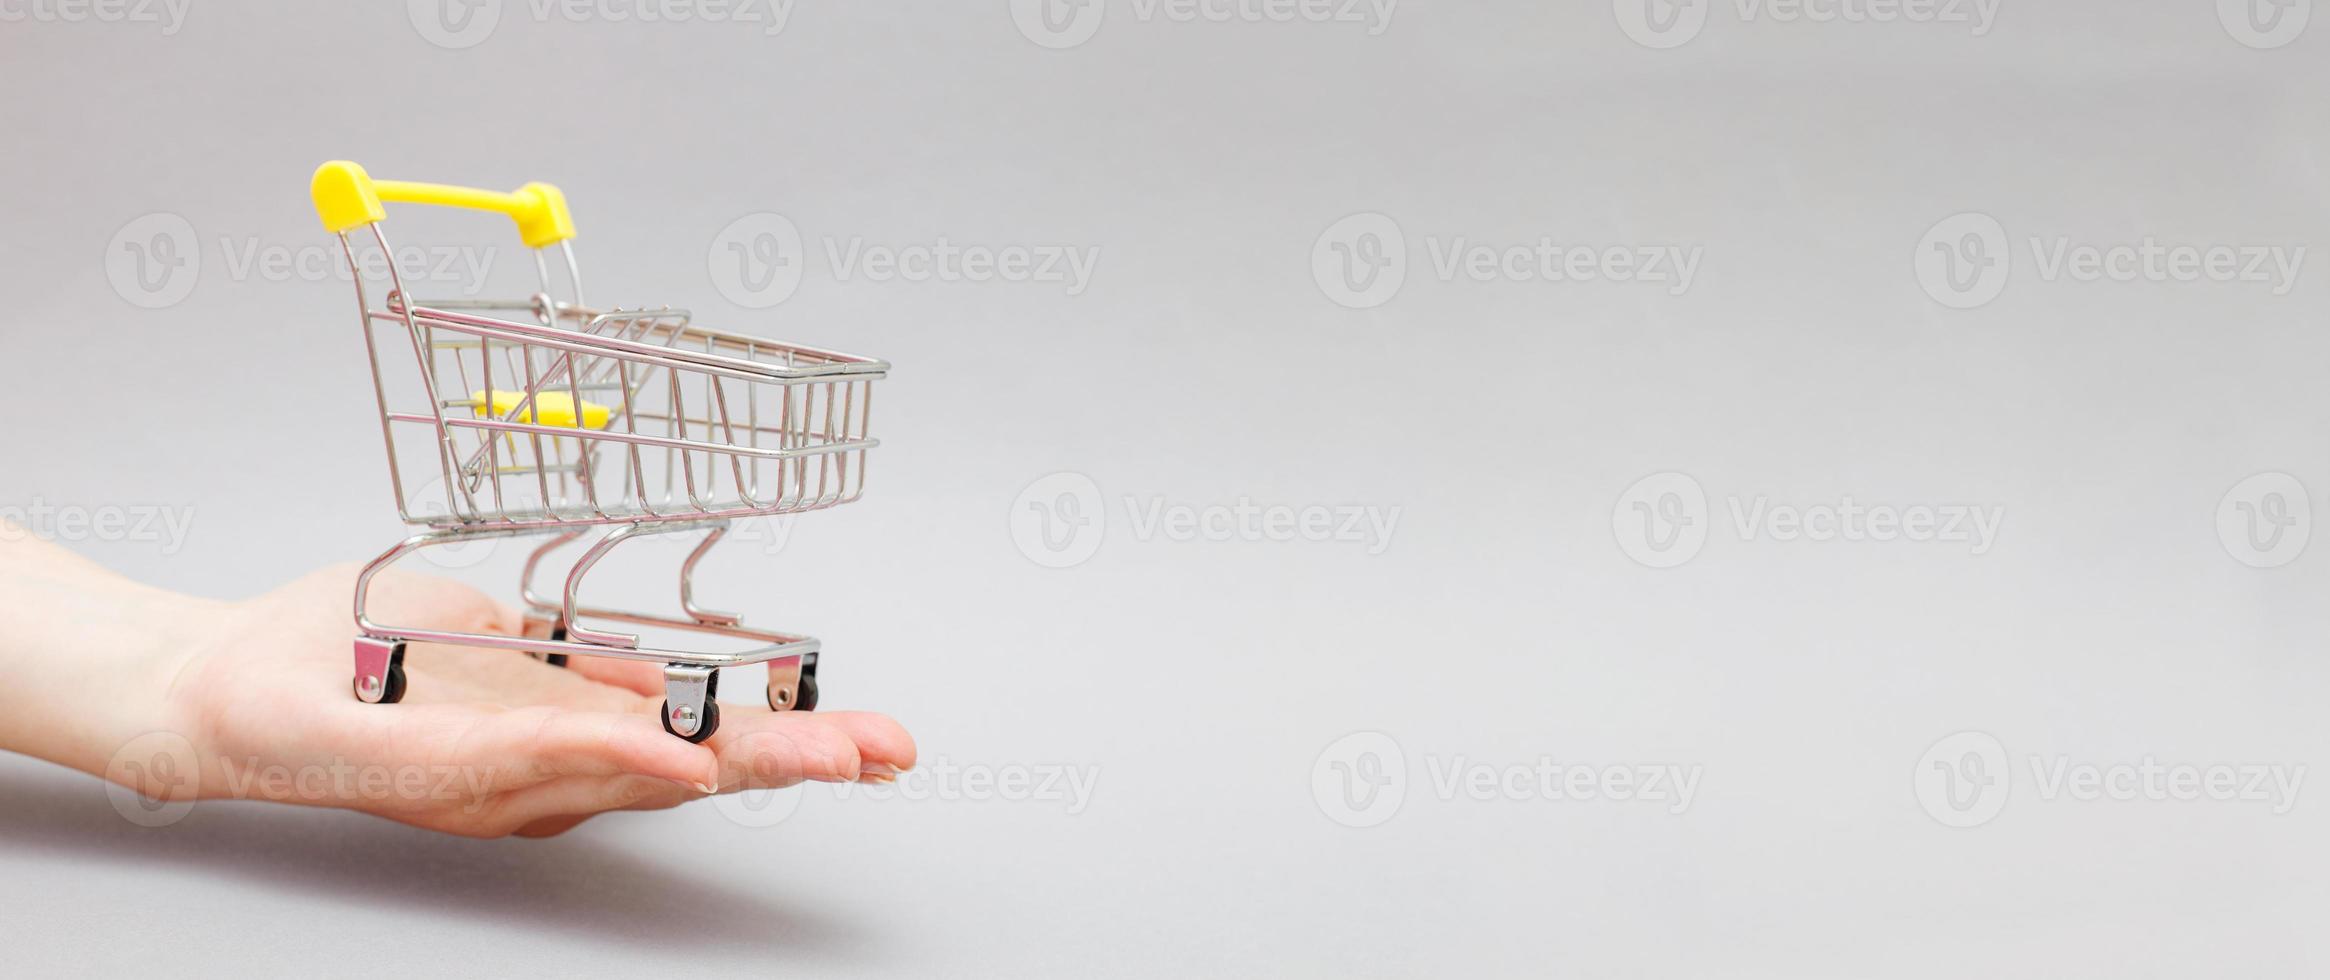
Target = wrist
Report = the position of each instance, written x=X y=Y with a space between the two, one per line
x=88 y=659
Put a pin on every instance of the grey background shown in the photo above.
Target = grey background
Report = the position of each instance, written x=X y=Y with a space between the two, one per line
x=1202 y=680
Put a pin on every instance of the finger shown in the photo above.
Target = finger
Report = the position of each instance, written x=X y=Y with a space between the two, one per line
x=769 y=750
x=537 y=745
x=765 y=749
x=880 y=739
x=560 y=804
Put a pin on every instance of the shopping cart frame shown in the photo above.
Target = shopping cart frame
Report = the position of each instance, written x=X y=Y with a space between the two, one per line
x=562 y=339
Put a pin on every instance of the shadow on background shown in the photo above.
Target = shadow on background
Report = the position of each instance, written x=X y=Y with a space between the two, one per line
x=568 y=884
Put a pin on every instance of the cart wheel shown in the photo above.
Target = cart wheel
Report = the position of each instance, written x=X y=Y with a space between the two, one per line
x=703 y=731
x=557 y=634
x=391 y=692
x=380 y=670
x=805 y=697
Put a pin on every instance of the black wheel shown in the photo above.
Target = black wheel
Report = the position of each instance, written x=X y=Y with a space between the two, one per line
x=557 y=635
x=703 y=731
x=393 y=690
x=804 y=696
x=805 y=699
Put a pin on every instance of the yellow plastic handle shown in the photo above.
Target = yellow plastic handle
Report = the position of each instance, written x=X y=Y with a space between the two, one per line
x=347 y=197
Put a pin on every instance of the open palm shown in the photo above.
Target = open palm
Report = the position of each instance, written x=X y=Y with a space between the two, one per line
x=487 y=743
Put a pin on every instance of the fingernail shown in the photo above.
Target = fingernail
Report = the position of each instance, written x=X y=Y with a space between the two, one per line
x=706 y=788
x=878 y=772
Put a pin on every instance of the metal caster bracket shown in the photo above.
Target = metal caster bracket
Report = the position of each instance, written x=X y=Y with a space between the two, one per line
x=687 y=691
x=784 y=683
x=378 y=662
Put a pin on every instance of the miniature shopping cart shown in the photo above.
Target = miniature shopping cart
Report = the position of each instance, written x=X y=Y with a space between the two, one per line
x=543 y=418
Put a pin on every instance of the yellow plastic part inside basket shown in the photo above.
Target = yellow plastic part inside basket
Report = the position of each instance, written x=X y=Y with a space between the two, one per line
x=551 y=408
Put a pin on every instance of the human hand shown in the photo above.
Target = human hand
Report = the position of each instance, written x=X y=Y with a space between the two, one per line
x=486 y=743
